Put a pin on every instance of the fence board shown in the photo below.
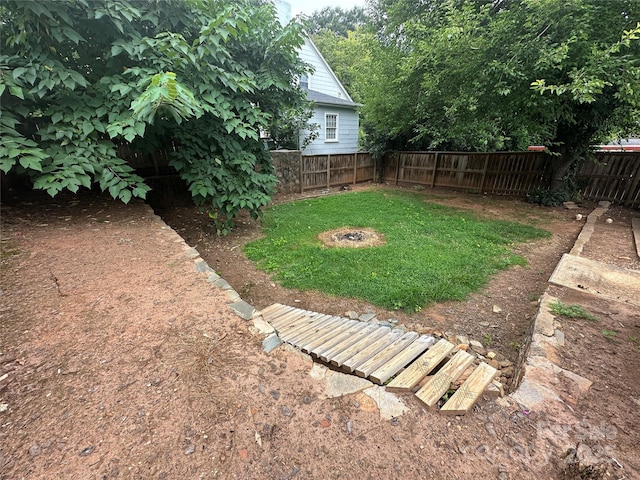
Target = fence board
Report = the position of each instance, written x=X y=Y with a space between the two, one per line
x=614 y=177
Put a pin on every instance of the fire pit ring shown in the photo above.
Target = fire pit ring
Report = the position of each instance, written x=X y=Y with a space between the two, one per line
x=351 y=237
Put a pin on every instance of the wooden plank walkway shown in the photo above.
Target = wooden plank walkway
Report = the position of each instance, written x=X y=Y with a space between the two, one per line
x=381 y=353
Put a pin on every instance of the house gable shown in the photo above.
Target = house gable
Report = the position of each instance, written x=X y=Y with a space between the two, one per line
x=335 y=112
x=322 y=79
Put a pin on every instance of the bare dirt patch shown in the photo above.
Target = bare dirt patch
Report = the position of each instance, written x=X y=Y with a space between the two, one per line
x=349 y=237
x=119 y=360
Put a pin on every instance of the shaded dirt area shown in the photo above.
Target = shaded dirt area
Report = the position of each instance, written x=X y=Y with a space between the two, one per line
x=119 y=360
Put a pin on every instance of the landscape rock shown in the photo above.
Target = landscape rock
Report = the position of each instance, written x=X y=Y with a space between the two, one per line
x=389 y=404
x=495 y=364
x=243 y=309
x=261 y=326
x=339 y=384
x=271 y=343
x=190 y=449
x=318 y=371
x=366 y=317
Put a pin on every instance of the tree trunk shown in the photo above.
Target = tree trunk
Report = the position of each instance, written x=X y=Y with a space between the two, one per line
x=560 y=167
x=572 y=140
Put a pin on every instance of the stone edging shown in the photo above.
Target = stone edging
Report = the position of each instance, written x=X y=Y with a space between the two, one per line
x=537 y=369
x=241 y=308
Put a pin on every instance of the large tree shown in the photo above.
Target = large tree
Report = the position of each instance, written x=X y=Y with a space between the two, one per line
x=201 y=78
x=486 y=74
x=336 y=20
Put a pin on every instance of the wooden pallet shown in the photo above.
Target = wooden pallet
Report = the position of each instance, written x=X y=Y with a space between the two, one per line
x=379 y=353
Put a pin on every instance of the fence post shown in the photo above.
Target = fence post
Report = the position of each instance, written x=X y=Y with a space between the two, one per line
x=484 y=172
x=301 y=175
x=635 y=184
x=375 y=167
x=355 y=168
x=328 y=171
x=397 y=167
x=435 y=169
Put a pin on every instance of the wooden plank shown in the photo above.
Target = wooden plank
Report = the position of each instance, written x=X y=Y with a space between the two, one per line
x=386 y=354
x=364 y=342
x=441 y=381
x=310 y=332
x=332 y=326
x=327 y=352
x=402 y=359
x=281 y=322
x=288 y=322
x=294 y=330
x=267 y=311
x=470 y=390
x=274 y=314
x=635 y=224
x=331 y=338
x=293 y=327
x=365 y=353
x=421 y=367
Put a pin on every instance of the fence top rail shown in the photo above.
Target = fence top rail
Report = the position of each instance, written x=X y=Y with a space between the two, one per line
x=336 y=154
x=448 y=152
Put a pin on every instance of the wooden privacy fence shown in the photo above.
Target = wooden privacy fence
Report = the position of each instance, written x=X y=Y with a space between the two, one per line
x=506 y=173
x=317 y=171
x=615 y=176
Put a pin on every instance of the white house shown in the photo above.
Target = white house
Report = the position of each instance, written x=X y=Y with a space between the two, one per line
x=334 y=110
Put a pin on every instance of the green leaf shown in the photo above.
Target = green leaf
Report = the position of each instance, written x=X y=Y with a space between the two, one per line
x=139 y=128
x=18 y=72
x=56 y=117
x=31 y=162
x=6 y=164
x=125 y=196
x=16 y=91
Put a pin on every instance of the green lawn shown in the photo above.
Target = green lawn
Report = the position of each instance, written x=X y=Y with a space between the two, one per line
x=432 y=253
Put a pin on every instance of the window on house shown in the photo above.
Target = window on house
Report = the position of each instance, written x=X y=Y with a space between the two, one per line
x=330 y=127
x=304 y=82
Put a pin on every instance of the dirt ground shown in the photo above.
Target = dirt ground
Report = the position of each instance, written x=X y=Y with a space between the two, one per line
x=119 y=360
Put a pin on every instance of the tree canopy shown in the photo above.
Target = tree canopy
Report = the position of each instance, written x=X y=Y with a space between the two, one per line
x=481 y=75
x=200 y=78
x=336 y=20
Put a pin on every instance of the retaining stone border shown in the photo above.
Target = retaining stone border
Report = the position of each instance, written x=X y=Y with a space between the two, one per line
x=537 y=369
x=241 y=308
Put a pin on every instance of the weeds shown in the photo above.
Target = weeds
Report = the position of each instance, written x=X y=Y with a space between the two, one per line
x=571 y=311
x=609 y=334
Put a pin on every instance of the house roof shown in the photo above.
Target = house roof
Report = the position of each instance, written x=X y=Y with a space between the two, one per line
x=322 y=99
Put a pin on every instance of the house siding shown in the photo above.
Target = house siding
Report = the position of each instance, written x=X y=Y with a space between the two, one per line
x=348 y=129
x=323 y=79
